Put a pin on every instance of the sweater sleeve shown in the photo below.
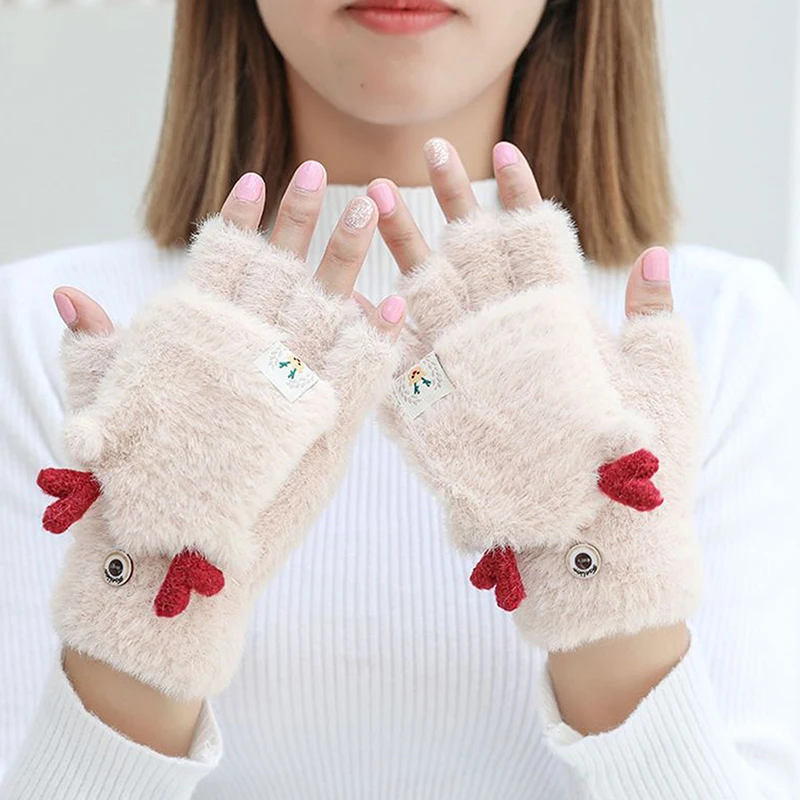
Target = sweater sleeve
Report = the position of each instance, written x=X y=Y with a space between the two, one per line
x=675 y=745
x=71 y=754
x=736 y=736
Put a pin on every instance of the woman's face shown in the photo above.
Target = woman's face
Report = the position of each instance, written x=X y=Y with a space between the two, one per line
x=360 y=57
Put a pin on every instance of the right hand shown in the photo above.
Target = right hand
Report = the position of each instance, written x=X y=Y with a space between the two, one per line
x=355 y=369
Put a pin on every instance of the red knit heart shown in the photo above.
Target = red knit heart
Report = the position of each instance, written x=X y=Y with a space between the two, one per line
x=188 y=571
x=627 y=481
x=498 y=570
x=77 y=490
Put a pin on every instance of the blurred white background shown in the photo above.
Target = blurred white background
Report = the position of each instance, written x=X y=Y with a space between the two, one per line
x=81 y=93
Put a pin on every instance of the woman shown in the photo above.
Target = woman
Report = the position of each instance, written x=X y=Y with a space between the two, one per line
x=372 y=669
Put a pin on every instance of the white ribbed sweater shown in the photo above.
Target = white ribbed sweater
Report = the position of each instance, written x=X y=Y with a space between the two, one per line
x=374 y=671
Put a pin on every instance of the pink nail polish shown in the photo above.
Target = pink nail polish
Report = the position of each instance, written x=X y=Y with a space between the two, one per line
x=505 y=155
x=65 y=309
x=392 y=309
x=249 y=188
x=383 y=196
x=656 y=265
x=309 y=177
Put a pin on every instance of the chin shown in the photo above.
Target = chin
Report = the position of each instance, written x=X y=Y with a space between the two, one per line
x=403 y=99
x=396 y=111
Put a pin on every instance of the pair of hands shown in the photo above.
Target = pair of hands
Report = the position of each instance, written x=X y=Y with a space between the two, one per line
x=528 y=252
x=382 y=209
x=650 y=562
x=544 y=397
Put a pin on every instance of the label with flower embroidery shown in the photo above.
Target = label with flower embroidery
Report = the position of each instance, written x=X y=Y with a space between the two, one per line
x=290 y=376
x=420 y=386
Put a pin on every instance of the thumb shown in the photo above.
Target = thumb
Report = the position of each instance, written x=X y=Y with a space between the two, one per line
x=80 y=313
x=649 y=288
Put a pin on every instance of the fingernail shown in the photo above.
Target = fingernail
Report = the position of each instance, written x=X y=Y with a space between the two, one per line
x=359 y=213
x=392 y=309
x=437 y=151
x=383 y=196
x=65 y=309
x=505 y=155
x=249 y=188
x=656 y=265
x=309 y=177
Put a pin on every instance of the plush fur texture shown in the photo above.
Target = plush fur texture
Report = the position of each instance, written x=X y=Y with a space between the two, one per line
x=170 y=433
x=516 y=449
x=85 y=358
x=195 y=450
x=481 y=261
x=544 y=398
x=191 y=655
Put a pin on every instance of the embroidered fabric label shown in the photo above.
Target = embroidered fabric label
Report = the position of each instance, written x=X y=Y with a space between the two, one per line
x=420 y=386
x=287 y=373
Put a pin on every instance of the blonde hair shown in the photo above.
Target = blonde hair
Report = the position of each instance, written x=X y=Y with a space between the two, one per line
x=585 y=106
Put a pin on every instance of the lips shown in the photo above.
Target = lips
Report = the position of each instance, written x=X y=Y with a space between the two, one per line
x=400 y=16
x=402 y=5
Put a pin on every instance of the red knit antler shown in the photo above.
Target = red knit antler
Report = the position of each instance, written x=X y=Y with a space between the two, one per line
x=498 y=570
x=76 y=490
x=627 y=481
x=188 y=570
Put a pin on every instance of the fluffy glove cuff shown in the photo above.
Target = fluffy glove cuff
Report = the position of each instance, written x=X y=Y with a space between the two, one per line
x=209 y=435
x=566 y=454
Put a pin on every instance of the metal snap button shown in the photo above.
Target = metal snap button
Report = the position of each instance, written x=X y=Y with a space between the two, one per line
x=118 y=568
x=583 y=561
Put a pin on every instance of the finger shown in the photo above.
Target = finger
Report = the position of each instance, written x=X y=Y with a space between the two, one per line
x=365 y=304
x=299 y=209
x=657 y=348
x=79 y=312
x=515 y=182
x=361 y=366
x=397 y=227
x=85 y=359
x=245 y=204
x=449 y=179
x=649 y=289
x=388 y=316
x=348 y=247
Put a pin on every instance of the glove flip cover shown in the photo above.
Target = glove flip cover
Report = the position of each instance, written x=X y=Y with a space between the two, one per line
x=209 y=435
x=565 y=453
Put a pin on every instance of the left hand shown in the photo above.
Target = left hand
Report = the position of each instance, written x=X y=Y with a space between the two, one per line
x=544 y=450
x=604 y=673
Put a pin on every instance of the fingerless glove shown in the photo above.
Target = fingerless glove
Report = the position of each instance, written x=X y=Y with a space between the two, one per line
x=566 y=454
x=207 y=437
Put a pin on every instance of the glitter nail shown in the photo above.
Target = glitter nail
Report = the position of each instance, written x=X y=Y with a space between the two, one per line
x=437 y=151
x=359 y=213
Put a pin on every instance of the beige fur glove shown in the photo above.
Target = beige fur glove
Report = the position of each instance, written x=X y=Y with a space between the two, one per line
x=568 y=455
x=206 y=448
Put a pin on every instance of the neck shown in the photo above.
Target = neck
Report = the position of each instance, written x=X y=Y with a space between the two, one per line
x=354 y=151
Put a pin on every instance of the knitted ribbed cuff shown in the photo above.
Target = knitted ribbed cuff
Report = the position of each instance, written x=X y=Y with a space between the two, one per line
x=674 y=746
x=71 y=754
